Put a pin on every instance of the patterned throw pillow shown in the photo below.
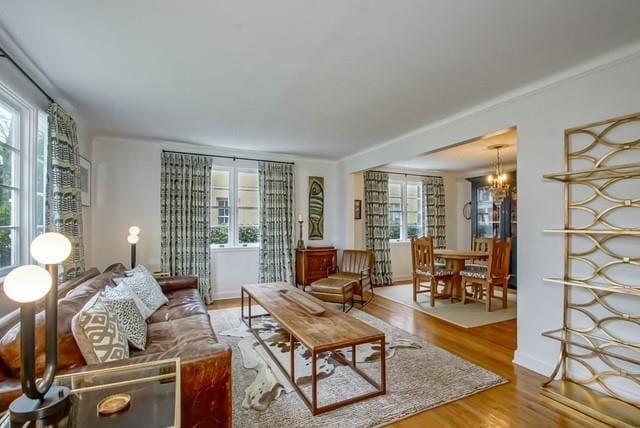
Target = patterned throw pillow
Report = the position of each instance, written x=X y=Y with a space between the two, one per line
x=98 y=333
x=146 y=288
x=123 y=291
x=130 y=319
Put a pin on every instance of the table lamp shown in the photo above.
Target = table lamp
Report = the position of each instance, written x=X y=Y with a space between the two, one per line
x=133 y=239
x=26 y=285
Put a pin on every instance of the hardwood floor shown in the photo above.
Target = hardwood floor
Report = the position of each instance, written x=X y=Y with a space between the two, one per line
x=516 y=404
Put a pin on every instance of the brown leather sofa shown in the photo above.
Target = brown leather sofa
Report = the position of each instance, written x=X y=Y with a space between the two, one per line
x=179 y=329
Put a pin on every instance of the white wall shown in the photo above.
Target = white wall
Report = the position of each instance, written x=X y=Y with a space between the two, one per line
x=605 y=88
x=127 y=192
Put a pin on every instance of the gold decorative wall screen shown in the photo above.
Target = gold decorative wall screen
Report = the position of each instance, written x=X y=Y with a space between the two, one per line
x=598 y=371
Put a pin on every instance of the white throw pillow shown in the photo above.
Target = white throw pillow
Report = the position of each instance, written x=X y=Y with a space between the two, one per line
x=146 y=288
x=98 y=332
x=123 y=291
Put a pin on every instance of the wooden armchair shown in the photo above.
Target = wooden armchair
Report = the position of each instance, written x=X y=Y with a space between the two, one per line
x=356 y=265
x=496 y=275
x=425 y=270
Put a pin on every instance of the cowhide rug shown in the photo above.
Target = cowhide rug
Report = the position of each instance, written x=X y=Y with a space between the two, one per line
x=270 y=382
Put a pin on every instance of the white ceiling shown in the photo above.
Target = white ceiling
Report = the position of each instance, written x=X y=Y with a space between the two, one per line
x=467 y=157
x=318 y=78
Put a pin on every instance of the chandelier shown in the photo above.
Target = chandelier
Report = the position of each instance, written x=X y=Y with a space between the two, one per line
x=498 y=180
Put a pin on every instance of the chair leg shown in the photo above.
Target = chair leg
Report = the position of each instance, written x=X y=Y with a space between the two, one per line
x=488 y=298
x=505 y=287
x=415 y=289
x=433 y=292
x=464 y=291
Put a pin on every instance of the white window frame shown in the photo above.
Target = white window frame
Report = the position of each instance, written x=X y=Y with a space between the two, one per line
x=25 y=223
x=404 y=232
x=234 y=208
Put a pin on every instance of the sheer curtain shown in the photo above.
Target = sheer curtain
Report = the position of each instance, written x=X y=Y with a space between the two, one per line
x=376 y=202
x=276 y=187
x=63 y=201
x=185 y=193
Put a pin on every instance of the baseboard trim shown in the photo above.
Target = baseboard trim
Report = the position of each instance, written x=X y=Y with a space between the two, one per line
x=532 y=363
x=225 y=295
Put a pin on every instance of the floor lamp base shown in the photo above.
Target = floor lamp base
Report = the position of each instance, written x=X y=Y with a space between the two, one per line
x=55 y=404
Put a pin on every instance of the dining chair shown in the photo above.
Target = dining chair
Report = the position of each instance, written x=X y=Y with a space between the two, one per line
x=426 y=271
x=480 y=244
x=483 y=283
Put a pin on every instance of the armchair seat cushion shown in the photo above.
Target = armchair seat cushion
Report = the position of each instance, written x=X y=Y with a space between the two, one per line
x=346 y=275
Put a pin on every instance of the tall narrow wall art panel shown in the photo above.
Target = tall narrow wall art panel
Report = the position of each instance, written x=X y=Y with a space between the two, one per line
x=316 y=208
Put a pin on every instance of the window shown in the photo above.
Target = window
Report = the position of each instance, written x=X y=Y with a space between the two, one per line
x=23 y=141
x=235 y=207
x=405 y=210
x=9 y=186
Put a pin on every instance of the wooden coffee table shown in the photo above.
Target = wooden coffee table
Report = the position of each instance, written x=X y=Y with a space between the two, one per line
x=329 y=331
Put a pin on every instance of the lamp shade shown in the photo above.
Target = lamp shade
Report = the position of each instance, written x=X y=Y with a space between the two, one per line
x=50 y=248
x=134 y=230
x=133 y=239
x=27 y=283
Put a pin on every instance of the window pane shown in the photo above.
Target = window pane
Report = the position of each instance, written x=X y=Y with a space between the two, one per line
x=8 y=167
x=220 y=211
x=248 y=226
x=9 y=126
x=395 y=190
x=7 y=237
x=8 y=207
x=412 y=190
x=395 y=225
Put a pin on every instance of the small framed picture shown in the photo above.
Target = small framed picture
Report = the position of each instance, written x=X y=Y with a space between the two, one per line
x=357 y=209
x=85 y=181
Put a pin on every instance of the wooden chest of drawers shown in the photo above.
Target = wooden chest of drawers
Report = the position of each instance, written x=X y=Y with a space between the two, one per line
x=312 y=264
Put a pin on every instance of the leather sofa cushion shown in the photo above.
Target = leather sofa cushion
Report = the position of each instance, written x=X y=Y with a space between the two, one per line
x=346 y=275
x=179 y=334
x=182 y=303
x=355 y=261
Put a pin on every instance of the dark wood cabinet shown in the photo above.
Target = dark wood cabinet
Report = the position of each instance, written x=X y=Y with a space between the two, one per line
x=312 y=264
x=490 y=219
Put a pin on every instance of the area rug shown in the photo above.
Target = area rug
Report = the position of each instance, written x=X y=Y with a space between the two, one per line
x=420 y=376
x=469 y=315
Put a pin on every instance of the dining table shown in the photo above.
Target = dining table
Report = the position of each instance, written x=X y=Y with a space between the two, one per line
x=455 y=262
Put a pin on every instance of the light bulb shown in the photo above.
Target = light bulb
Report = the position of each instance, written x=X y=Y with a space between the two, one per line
x=490 y=178
x=134 y=230
x=133 y=239
x=27 y=283
x=51 y=248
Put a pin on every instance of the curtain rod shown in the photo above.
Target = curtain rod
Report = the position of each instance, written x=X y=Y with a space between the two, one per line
x=404 y=173
x=4 y=54
x=234 y=158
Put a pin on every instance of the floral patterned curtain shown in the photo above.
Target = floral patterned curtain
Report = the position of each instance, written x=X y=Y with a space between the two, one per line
x=185 y=193
x=275 y=183
x=434 y=212
x=376 y=202
x=64 y=205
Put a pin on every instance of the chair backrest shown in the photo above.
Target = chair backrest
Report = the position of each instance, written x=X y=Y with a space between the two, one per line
x=482 y=244
x=500 y=260
x=422 y=255
x=356 y=261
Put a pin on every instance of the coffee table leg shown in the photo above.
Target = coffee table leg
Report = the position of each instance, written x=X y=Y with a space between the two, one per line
x=353 y=355
x=314 y=384
x=293 y=360
x=383 y=366
x=249 y=303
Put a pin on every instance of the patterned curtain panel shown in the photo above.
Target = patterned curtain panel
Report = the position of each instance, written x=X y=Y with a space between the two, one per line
x=376 y=223
x=433 y=189
x=64 y=205
x=185 y=193
x=275 y=181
